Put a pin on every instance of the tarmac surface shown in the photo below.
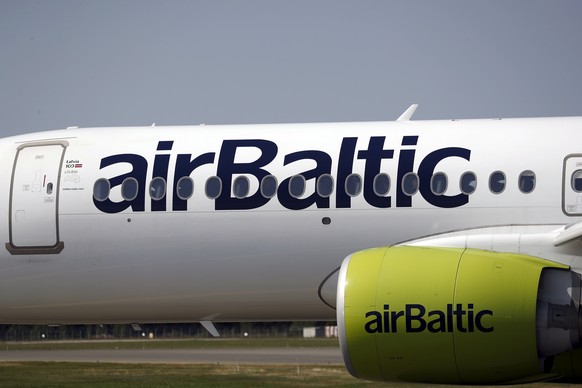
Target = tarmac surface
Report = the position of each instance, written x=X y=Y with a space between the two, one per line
x=328 y=356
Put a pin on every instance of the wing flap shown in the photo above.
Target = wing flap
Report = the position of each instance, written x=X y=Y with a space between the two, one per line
x=570 y=232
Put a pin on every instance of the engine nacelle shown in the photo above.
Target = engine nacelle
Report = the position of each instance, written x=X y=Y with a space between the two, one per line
x=455 y=315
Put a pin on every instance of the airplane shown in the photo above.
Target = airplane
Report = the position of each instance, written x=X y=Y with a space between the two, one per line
x=448 y=251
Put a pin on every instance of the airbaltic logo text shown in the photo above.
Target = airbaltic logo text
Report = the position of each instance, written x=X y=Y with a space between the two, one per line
x=416 y=320
x=269 y=162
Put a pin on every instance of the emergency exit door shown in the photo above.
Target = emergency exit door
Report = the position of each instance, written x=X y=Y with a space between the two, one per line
x=572 y=185
x=34 y=199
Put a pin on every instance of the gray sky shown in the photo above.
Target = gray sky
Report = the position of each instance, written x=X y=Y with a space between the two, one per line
x=105 y=63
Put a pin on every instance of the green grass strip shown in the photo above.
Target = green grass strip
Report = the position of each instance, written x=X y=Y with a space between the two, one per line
x=212 y=343
x=62 y=374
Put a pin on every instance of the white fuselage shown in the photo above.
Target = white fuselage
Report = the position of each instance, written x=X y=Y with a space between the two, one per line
x=72 y=259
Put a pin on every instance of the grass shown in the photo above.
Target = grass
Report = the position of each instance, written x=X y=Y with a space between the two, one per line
x=85 y=374
x=213 y=343
x=62 y=374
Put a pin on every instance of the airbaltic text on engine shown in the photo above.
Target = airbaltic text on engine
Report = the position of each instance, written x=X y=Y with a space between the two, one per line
x=418 y=320
x=227 y=169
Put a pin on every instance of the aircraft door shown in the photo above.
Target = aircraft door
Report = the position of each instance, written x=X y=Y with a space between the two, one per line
x=34 y=199
x=572 y=185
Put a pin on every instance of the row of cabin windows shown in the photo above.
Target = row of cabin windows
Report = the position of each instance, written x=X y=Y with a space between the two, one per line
x=324 y=185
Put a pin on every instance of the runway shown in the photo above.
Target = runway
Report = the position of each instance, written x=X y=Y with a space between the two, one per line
x=327 y=355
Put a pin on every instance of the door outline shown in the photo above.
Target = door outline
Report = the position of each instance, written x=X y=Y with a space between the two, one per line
x=571 y=200
x=36 y=250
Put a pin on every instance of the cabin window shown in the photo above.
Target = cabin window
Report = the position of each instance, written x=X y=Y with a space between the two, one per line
x=297 y=186
x=577 y=181
x=241 y=187
x=381 y=184
x=438 y=183
x=213 y=187
x=269 y=186
x=129 y=189
x=468 y=183
x=497 y=182
x=157 y=188
x=325 y=185
x=410 y=183
x=353 y=185
x=101 y=189
x=527 y=181
x=185 y=188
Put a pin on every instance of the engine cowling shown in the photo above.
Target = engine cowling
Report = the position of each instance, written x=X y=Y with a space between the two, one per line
x=455 y=315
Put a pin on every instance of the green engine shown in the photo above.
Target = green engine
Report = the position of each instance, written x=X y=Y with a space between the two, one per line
x=458 y=316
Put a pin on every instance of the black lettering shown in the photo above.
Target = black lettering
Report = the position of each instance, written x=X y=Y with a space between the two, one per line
x=450 y=318
x=479 y=324
x=438 y=324
x=161 y=163
x=344 y=169
x=184 y=167
x=394 y=318
x=373 y=157
x=386 y=318
x=470 y=318
x=437 y=321
x=227 y=168
x=374 y=325
x=426 y=171
x=323 y=166
x=411 y=318
x=139 y=166
x=459 y=312
x=405 y=165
